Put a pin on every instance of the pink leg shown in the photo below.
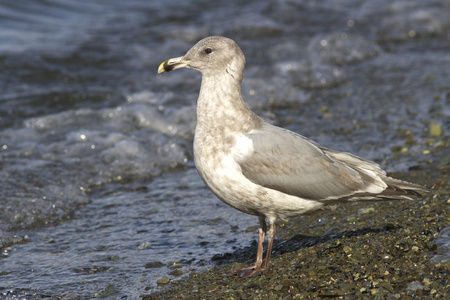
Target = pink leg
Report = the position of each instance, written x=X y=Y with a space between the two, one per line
x=258 y=268
x=262 y=235
x=270 y=236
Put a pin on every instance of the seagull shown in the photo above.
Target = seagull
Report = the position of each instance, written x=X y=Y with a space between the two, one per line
x=264 y=170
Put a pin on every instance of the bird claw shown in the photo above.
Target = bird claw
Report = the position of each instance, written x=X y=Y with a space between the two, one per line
x=249 y=272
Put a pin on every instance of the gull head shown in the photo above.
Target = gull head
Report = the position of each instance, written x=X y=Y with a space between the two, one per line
x=211 y=56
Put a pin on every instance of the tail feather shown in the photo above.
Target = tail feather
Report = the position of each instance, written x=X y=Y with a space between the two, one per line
x=414 y=193
x=401 y=187
x=386 y=188
x=396 y=190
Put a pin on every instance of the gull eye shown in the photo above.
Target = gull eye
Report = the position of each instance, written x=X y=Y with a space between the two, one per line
x=208 y=50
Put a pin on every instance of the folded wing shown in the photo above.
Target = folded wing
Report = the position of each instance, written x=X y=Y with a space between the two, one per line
x=292 y=164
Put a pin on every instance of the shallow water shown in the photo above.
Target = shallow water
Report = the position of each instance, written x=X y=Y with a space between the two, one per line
x=96 y=158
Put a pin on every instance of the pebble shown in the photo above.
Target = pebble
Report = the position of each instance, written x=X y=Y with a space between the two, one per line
x=163 y=281
x=435 y=130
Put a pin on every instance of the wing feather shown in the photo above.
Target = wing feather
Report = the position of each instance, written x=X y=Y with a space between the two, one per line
x=292 y=164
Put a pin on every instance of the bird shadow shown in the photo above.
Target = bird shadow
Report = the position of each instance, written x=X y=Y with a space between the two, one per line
x=294 y=243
